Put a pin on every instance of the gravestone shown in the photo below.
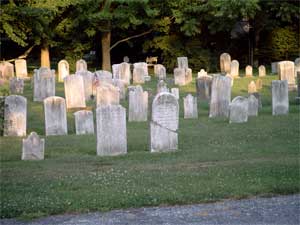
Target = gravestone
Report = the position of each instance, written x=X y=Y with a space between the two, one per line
x=234 y=68
x=126 y=59
x=84 y=122
x=297 y=66
x=15 y=116
x=120 y=84
x=175 y=92
x=104 y=76
x=239 y=110
x=179 y=76
x=74 y=91
x=142 y=65
x=252 y=105
x=122 y=72
x=182 y=74
x=203 y=87
x=138 y=75
x=16 y=85
x=138 y=104
x=6 y=70
x=182 y=62
x=63 y=70
x=286 y=71
x=164 y=124
x=280 y=97
x=190 y=107
x=111 y=130
x=107 y=94
x=258 y=97
x=81 y=65
x=220 y=96
x=248 y=71
x=261 y=71
x=259 y=84
x=33 y=147
x=202 y=73
x=252 y=87
x=21 y=68
x=160 y=71
x=274 y=66
x=225 y=61
x=43 y=84
x=55 y=116
x=88 y=83
x=162 y=86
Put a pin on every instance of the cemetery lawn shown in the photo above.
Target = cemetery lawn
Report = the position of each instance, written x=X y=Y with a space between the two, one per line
x=215 y=160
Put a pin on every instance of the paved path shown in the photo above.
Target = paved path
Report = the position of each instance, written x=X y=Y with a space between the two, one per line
x=282 y=210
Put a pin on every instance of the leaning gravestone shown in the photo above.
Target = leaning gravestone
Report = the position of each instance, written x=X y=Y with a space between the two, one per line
x=225 y=61
x=220 y=96
x=43 y=83
x=286 y=71
x=111 y=130
x=138 y=104
x=239 y=110
x=33 y=147
x=162 y=86
x=6 y=70
x=261 y=71
x=16 y=85
x=138 y=75
x=88 y=79
x=107 y=94
x=203 y=87
x=74 y=91
x=55 y=116
x=202 y=73
x=252 y=87
x=63 y=70
x=84 y=122
x=160 y=71
x=175 y=92
x=81 y=65
x=249 y=71
x=190 y=107
x=280 y=97
x=252 y=105
x=234 y=68
x=21 y=68
x=164 y=124
x=15 y=115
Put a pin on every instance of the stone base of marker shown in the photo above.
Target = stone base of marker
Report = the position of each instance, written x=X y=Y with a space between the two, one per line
x=33 y=147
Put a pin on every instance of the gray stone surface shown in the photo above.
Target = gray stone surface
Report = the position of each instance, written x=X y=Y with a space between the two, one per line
x=179 y=76
x=120 y=84
x=234 y=68
x=33 y=147
x=81 y=65
x=258 y=97
x=162 y=86
x=280 y=97
x=261 y=71
x=138 y=75
x=274 y=66
x=182 y=62
x=175 y=92
x=160 y=71
x=122 y=71
x=74 y=91
x=63 y=70
x=88 y=83
x=7 y=70
x=203 y=87
x=142 y=65
x=43 y=84
x=55 y=116
x=220 y=96
x=84 y=122
x=15 y=116
x=21 y=68
x=252 y=87
x=190 y=107
x=225 y=60
x=164 y=124
x=16 y=85
x=111 y=130
x=138 y=104
x=239 y=110
x=107 y=94
x=248 y=71
x=252 y=105
x=286 y=71
x=104 y=76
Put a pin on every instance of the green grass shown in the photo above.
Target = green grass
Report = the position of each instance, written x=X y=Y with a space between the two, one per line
x=215 y=160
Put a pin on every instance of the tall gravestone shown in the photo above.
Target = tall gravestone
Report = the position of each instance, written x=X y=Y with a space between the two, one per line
x=286 y=71
x=248 y=71
x=81 y=65
x=203 y=87
x=6 y=70
x=239 y=110
x=160 y=71
x=225 y=60
x=220 y=96
x=15 y=116
x=16 y=85
x=84 y=122
x=261 y=71
x=21 y=68
x=138 y=104
x=88 y=79
x=63 y=70
x=55 y=116
x=182 y=74
x=33 y=147
x=74 y=91
x=164 y=124
x=122 y=71
x=138 y=75
x=111 y=130
x=252 y=87
x=190 y=107
x=107 y=94
x=234 y=68
x=43 y=83
x=280 y=97
x=252 y=105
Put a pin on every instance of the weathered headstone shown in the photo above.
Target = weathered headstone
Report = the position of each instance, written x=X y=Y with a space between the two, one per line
x=84 y=122
x=138 y=104
x=274 y=66
x=142 y=65
x=258 y=97
x=15 y=116
x=252 y=87
x=88 y=79
x=286 y=71
x=202 y=73
x=164 y=124
x=111 y=130
x=261 y=71
x=162 y=86
x=43 y=83
x=107 y=94
x=63 y=70
x=239 y=110
x=179 y=76
x=297 y=66
x=81 y=65
x=16 y=85
x=175 y=92
x=120 y=84
x=122 y=72
x=74 y=91
x=21 y=68
x=6 y=70
x=252 y=105
x=225 y=61
x=220 y=96
x=259 y=84
x=55 y=116
x=203 y=87
x=138 y=75
x=280 y=97
x=104 y=76
x=160 y=71
x=248 y=71
x=182 y=62
x=33 y=147
x=234 y=68
x=190 y=107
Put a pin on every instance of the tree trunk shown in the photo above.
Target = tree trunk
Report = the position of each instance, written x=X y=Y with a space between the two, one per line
x=105 y=40
x=45 y=56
